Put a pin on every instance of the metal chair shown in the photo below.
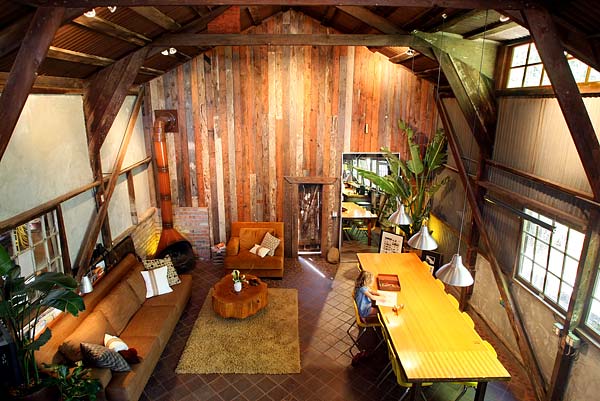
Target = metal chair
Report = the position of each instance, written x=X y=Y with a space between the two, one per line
x=473 y=385
x=400 y=379
x=362 y=329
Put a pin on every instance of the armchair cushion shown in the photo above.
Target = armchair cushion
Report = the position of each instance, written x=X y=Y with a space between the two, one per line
x=250 y=236
x=233 y=246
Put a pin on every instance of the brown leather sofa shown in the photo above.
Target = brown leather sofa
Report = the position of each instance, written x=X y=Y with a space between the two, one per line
x=244 y=235
x=118 y=306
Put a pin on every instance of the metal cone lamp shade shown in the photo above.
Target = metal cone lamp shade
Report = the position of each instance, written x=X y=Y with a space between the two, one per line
x=399 y=217
x=423 y=240
x=86 y=285
x=455 y=273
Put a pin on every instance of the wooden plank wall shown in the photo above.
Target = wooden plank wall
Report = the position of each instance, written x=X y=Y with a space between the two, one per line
x=249 y=116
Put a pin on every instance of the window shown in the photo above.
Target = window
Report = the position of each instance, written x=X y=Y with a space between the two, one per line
x=527 y=70
x=548 y=260
x=35 y=245
x=592 y=320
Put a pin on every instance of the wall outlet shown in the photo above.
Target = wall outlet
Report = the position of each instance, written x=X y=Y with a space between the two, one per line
x=557 y=329
x=573 y=341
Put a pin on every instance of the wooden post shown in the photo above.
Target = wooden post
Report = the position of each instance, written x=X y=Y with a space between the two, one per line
x=33 y=51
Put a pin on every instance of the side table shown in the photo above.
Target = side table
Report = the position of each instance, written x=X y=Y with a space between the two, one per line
x=228 y=303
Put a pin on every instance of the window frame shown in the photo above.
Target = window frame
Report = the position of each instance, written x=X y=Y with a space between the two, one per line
x=584 y=327
x=540 y=294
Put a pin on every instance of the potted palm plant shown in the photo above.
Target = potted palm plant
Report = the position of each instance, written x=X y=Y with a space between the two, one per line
x=414 y=181
x=21 y=303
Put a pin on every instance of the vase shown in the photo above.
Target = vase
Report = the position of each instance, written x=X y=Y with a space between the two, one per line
x=237 y=286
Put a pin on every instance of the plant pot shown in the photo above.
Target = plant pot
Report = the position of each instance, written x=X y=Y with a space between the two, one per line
x=237 y=286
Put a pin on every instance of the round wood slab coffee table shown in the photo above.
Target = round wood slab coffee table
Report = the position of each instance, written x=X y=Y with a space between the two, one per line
x=228 y=303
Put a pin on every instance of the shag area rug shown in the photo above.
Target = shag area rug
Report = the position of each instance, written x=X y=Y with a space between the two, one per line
x=265 y=343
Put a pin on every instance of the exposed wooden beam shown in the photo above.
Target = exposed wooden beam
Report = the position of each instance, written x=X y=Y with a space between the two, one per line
x=158 y=17
x=282 y=40
x=475 y=96
x=512 y=312
x=11 y=36
x=491 y=30
x=398 y=58
x=576 y=116
x=22 y=75
x=48 y=83
x=328 y=15
x=108 y=28
x=459 y=19
x=254 y=13
x=467 y=4
x=91 y=235
x=105 y=95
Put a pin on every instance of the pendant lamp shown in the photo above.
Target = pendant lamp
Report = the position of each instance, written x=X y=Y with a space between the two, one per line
x=400 y=217
x=455 y=273
x=422 y=239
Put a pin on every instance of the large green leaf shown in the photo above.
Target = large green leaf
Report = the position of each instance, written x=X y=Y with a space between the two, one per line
x=65 y=300
x=415 y=164
x=38 y=342
x=48 y=280
x=435 y=156
x=6 y=262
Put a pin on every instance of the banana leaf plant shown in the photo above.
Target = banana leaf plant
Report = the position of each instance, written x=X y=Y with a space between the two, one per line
x=21 y=303
x=414 y=181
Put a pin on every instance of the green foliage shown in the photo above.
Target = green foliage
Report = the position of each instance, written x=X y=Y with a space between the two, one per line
x=413 y=182
x=20 y=306
x=75 y=384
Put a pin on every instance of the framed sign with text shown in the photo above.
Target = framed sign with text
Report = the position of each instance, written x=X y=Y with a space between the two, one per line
x=390 y=243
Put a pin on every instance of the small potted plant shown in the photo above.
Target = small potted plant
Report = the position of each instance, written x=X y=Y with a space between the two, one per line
x=74 y=384
x=21 y=303
x=238 y=279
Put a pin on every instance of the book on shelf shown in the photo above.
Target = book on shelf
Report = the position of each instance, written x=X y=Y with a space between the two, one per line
x=388 y=282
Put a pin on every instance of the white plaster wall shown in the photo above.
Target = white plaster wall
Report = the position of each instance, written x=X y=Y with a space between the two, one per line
x=47 y=154
x=119 y=212
x=583 y=380
x=142 y=191
x=77 y=215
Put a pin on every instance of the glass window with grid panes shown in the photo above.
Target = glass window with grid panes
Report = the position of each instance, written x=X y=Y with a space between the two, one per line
x=35 y=245
x=548 y=259
x=592 y=319
x=527 y=70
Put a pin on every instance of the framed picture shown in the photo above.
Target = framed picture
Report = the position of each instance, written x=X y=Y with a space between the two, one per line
x=433 y=259
x=390 y=243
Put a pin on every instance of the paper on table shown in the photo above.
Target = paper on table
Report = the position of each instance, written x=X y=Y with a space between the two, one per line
x=390 y=298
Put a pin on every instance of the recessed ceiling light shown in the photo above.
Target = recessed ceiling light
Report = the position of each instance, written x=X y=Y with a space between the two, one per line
x=90 y=14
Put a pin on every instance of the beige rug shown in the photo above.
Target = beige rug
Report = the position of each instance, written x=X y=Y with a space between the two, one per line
x=265 y=343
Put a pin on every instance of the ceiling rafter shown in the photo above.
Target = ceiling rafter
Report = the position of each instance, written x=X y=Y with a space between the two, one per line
x=491 y=29
x=45 y=83
x=156 y=16
x=109 y=28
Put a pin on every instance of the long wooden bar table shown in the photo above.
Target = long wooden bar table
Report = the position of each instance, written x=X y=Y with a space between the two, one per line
x=433 y=341
x=357 y=212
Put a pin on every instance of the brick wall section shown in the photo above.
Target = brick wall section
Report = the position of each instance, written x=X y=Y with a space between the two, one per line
x=192 y=223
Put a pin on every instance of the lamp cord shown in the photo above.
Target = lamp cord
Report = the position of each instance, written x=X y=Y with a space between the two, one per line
x=473 y=128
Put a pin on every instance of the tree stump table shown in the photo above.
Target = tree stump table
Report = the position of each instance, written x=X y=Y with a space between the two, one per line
x=228 y=303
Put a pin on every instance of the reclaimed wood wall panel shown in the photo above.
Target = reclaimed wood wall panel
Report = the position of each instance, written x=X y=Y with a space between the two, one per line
x=251 y=116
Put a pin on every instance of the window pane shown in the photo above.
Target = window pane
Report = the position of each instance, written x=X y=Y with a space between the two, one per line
x=530 y=227
x=515 y=78
x=552 y=286
x=538 y=276
x=593 y=319
x=528 y=245
x=525 y=268
x=545 y=79
x=40 y=256
x=578 y=69
x=575 y=243
x=570 y=270
x=534 y=56
x=555 y=263
x=541 y=253
x=565 y=296
x=519 y=55
x=594 y=75
x=559 y=238
x=597 y=287
x=533 y=75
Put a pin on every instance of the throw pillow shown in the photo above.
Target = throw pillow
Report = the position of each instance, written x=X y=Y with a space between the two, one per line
x=271 y=242
x=260 y=250
x=156 y=282
x=91 y=330
x=252 y=235
x=101 y=357
x=171 y=272
x=114 y=343
x=131 y=356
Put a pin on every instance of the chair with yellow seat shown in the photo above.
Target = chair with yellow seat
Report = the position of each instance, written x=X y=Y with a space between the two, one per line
x=453 y=300
x=473 y=385
x=394 y=363
x=440 y=283
x=362 y=329
x=468 y=319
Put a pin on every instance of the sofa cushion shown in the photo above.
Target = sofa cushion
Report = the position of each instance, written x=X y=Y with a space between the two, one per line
x=158 y=320
x=119 y=306
x=271 y=242
x=101 y=357
x=177 y=298
x=137 y=284
x=91 y=330
x=249 y=261
x=172 y=276
x=129 y=386
x=251 y=236
x=102 y=374
x=233 y=246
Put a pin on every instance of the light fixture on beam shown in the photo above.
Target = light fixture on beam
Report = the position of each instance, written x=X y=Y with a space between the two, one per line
x=409 y=52
x=112 y=9
x=90 y=14
x=504 y=18
x=423 y=239
x=455 y=273
x=170 y=51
